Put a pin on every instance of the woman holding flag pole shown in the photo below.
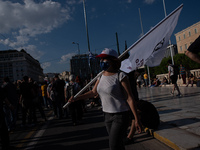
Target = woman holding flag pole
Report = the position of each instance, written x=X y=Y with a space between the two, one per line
x=117 y=99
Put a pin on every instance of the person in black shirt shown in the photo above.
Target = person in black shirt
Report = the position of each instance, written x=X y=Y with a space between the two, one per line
x=3 y=128
x=26 y=100
x=58 y=89
x=11 y=94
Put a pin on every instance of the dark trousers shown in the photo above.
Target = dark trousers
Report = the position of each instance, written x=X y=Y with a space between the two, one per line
x=183 y=76
x=4 y=133
x=37 y=105
x=116 y=125
x=27 y=110
x=59 y=100
x=10 y=117
x=76 y=111
x=54 y=108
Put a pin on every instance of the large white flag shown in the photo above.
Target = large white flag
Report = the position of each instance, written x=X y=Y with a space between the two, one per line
x=149 y=49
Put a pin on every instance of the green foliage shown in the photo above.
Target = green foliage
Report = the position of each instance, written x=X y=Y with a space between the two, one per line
x=178 y=59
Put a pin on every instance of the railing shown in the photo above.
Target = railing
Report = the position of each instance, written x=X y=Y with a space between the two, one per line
x=195 y=72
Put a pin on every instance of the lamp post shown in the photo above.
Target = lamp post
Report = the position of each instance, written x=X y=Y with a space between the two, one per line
x=78 y=47
x=169 y=39
x=142 y=35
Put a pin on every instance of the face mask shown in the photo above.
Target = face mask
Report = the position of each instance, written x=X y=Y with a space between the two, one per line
x=104 y=65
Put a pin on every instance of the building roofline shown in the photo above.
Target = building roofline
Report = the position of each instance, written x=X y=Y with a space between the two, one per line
x=8 y=51
x=21 y=51
x=187 y=28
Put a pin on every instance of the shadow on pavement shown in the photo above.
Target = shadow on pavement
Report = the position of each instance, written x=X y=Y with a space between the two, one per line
x=168 y=111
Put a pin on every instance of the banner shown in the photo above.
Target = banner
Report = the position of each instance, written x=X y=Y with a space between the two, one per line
x=149 y=49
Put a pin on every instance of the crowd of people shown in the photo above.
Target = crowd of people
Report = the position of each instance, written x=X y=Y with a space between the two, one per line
x=27 y=96
x=185 y=75
x=21 y=100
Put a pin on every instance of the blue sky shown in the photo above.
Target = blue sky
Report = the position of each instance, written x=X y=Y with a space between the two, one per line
x=46 y=29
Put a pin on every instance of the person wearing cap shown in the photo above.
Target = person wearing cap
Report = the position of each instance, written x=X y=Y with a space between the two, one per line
x=117 y=99
x=75 y=108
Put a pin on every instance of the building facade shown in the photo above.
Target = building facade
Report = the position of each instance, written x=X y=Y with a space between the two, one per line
x=80 y=65
x=16 y=64
x=187 y=36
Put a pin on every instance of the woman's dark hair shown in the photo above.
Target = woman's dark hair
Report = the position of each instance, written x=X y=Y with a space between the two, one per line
x=169 y=61
x=25 y=78
x=115 y=62
x=6 y=79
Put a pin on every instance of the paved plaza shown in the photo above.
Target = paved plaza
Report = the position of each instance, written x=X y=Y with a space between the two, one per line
x=179 y=129
x=180 y=116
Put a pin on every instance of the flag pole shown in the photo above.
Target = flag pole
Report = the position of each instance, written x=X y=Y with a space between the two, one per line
x=86 y=27
x=123 y=54
x=141 y=22
x=143 y=34
x=117 y=43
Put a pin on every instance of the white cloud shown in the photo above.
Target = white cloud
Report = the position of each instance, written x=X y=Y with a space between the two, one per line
x=45 y=65
x=71 y=2
x=32 y=18
x=66 y=58
x=129 y=1
x=23 y=21
x=19 y=41
x=149 y=1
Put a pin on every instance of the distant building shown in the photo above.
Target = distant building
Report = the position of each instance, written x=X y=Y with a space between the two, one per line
x=79 y=65
x=16 y=64
x=64 y=75
x=49 y=75
x=187 y=36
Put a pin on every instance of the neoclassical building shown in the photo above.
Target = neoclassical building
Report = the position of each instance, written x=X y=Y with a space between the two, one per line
x=16 y=64
x=187 y=36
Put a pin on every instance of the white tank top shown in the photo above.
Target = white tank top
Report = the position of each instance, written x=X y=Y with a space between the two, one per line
x=112 y=94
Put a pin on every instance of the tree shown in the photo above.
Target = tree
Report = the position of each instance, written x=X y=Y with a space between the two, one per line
x=178 y=59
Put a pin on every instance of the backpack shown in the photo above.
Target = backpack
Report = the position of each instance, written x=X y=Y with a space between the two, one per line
x=52 y=95
x=149 y=115
x=175 y=70
x=72 y=90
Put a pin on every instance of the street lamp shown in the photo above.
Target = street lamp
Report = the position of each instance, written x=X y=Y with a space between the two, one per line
x=169 y=39
x=78 y=47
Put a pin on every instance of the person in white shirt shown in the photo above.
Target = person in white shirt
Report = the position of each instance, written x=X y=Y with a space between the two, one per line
x=117 y=99
x=173 y=78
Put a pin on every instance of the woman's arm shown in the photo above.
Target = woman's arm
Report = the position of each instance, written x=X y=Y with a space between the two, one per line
x=65 y=92
x=89 y=94
x=131 y=101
